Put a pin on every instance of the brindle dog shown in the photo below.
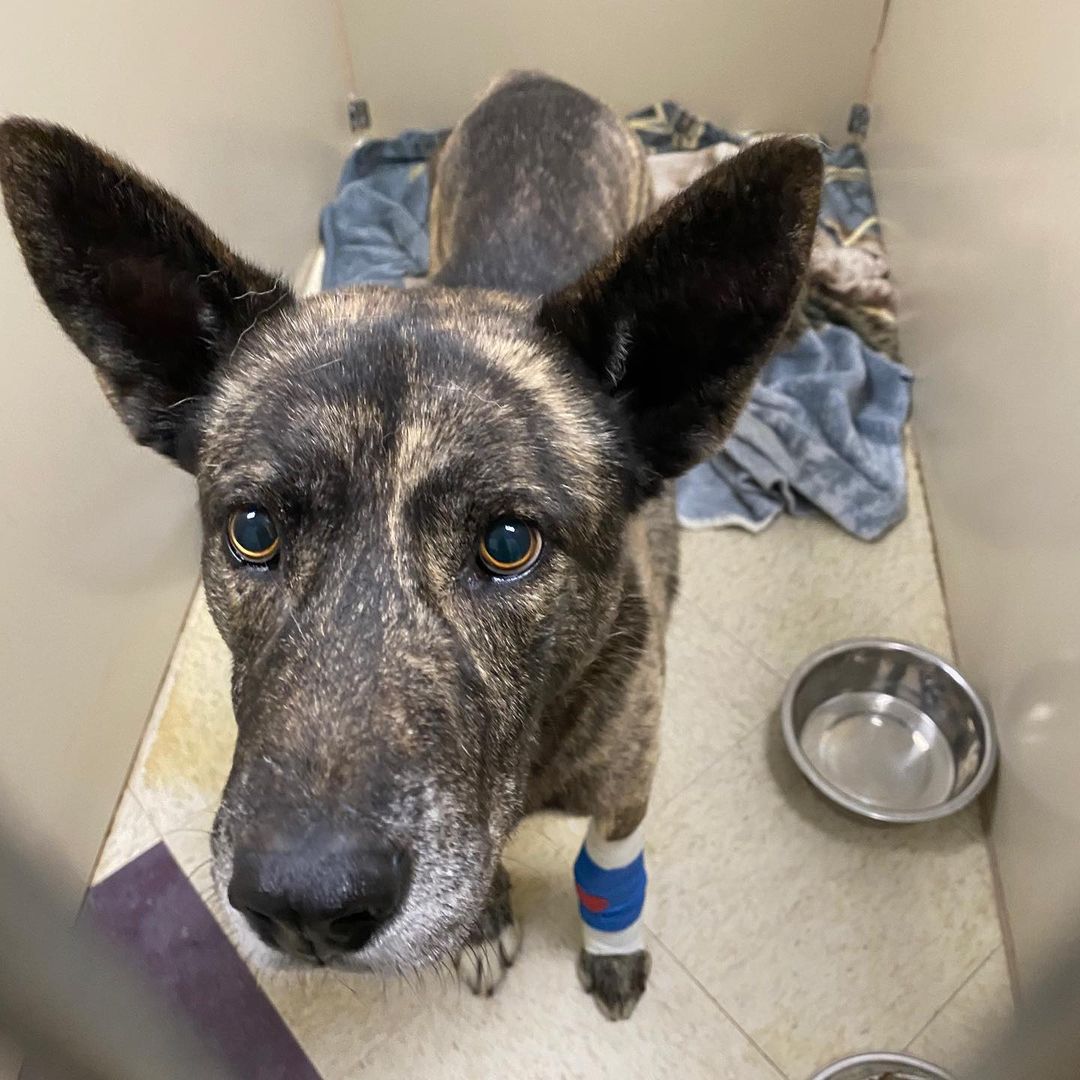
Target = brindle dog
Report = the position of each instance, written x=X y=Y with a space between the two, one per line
x=439 y=538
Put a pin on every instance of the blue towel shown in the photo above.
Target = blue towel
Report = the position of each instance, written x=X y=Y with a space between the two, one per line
x=375 y=230
x=823 y=430
x=824 y=426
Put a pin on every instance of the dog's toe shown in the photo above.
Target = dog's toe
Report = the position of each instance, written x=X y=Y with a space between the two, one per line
x=616 y=983
x=494 y=942
x=484 y=962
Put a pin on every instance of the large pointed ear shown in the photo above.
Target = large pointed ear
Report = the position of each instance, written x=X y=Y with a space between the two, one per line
x=137 y=281
x=679 y=319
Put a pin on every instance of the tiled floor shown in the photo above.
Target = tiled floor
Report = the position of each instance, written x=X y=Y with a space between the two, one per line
x=783 y=932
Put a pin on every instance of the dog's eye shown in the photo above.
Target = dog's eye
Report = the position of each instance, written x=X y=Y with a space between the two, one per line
x=509 y=547
x=252 y=535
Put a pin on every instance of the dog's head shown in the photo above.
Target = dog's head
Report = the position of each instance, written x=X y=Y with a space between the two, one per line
x=415 y=506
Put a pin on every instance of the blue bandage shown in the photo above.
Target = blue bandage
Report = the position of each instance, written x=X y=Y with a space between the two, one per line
x=610 y=900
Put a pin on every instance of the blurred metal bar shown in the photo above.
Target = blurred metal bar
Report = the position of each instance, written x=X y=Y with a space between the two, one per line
x=78 y=1012
x=1045 y=1042
x=70 y=1004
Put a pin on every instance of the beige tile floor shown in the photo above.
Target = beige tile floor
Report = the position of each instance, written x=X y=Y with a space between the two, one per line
x=784 y=933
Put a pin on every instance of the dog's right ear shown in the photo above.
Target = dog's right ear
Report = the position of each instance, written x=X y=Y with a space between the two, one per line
x=137 y=281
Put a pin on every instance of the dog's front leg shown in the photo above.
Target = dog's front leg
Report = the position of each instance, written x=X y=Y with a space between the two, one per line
x=610 y=877
x=494 y=942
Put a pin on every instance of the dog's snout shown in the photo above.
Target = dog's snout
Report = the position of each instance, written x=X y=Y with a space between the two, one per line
x=320 y=894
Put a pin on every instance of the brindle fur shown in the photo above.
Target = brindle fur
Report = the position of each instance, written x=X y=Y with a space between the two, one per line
x=555 y=369
x=496 y=192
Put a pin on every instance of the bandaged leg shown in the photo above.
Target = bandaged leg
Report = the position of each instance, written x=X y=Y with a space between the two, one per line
x=610 y=878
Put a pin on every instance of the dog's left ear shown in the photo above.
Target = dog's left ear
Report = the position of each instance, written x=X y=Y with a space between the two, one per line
x=679 y=319
x=152 y=297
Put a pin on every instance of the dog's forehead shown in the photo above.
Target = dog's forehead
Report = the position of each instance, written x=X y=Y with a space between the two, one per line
x=359 y=378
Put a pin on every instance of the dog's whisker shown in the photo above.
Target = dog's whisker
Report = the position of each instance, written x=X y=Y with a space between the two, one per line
x=455 y=388
x=329 y=363
x=198 y=868
x=352 y=990
x=251 y=326
x=299 y=629
x=189 y=829
x=256 y=292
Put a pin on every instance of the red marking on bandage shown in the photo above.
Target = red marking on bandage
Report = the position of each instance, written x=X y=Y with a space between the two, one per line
x=595 y=904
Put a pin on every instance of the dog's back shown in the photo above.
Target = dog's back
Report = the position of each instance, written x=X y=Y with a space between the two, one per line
x=538 y=182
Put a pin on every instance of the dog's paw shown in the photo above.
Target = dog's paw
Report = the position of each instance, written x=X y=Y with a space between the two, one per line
x=493 y=944
x=484 y=962
x=616 y=983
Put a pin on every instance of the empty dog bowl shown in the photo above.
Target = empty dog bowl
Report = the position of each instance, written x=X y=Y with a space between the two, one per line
x=888 y=730
x=882 y=1067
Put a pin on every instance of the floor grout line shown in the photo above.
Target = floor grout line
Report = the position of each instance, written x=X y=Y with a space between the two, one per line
x=750 y=725
x=912 y=597
x=721 y=631
x=772 y=669
x=752 y=728
x=731 y=1019
x=656 y=808
x=952 y=997
x=735 y=744
x=756 y=729
x=127 y=792
x=749 y=650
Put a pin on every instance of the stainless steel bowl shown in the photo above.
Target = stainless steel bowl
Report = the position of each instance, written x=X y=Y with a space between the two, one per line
x=888 y=730
x=873 y=1066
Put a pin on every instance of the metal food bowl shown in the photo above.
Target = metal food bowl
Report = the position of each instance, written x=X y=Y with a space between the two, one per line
x=888 y=730
x=880 y=1067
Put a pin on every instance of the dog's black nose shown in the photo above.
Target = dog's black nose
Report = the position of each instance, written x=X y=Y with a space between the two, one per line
x=321 y=893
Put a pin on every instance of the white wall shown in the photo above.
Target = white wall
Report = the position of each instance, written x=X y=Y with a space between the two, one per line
x=975 y=147
x=239 y=107
x=783 y=64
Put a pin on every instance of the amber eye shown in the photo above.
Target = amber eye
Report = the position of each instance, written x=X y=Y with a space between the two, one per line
x=509 y=547
x=252 y=535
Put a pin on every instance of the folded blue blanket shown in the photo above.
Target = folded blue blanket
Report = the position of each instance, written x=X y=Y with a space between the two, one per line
x=824 y=426
x=823 y=430
x=375 y=230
